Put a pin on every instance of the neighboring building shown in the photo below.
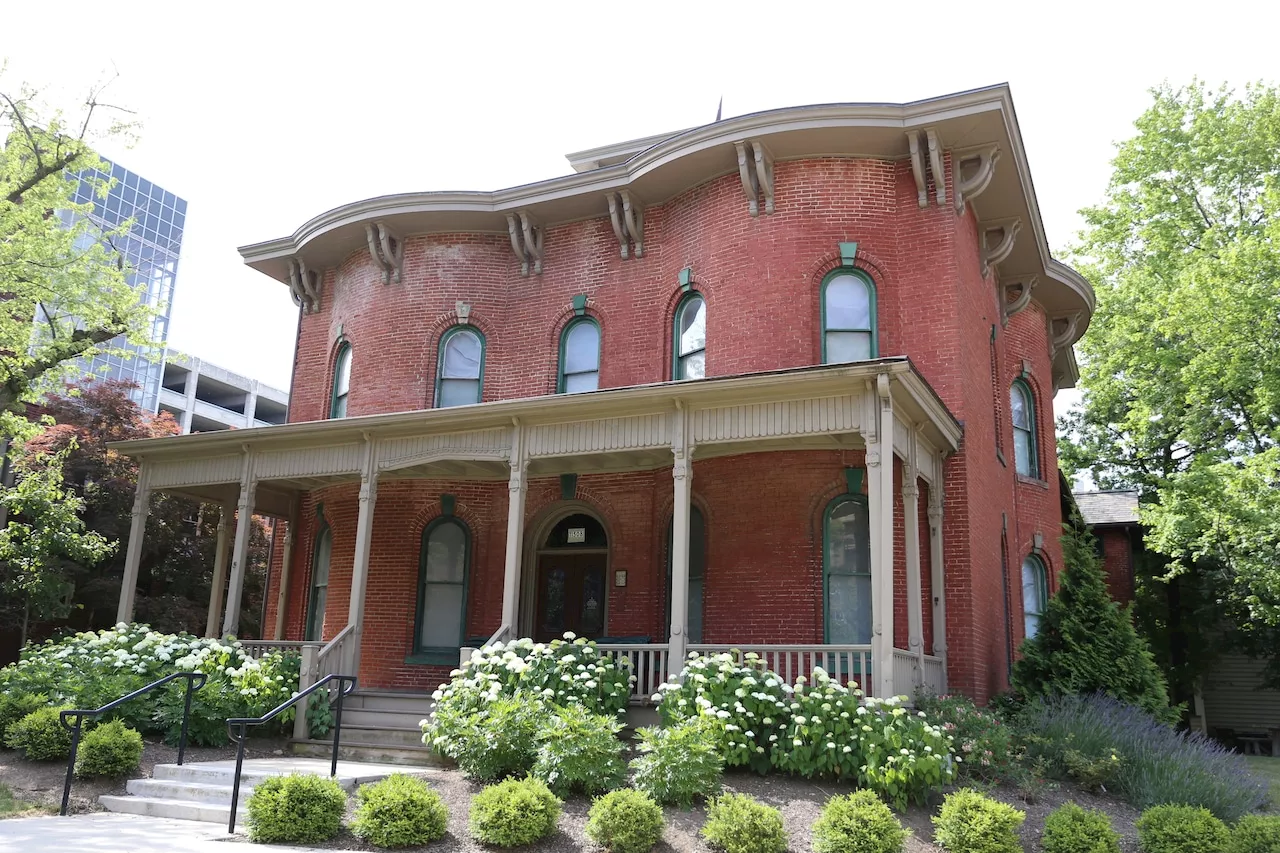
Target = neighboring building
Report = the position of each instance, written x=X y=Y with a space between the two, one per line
x=203 y=397
x=1113 y=515
x=780 y=382
x=151 y=248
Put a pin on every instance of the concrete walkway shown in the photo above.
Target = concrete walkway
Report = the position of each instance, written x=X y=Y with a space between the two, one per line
x=104 y=832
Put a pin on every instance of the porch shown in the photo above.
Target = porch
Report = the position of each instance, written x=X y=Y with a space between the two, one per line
x=880 y=411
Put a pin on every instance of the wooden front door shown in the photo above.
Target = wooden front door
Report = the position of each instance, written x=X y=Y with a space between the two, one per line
x=571 y=595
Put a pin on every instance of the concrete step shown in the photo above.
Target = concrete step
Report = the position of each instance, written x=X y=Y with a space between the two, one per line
x=389 y=700
x=375 y=752
x=197 y=792
x=383 y=735
x=380 y=717
x=170 y=808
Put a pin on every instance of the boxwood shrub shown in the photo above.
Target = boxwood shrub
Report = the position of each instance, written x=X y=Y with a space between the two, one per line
x=739 y=823
x=297 y=809
x=109 y=749
x=1071 y=829
x=399 y=811
x=625 y=821
x=1181 y=829
x=514 y=812
x=972 y=823
x=858 y=823
x=41 y=735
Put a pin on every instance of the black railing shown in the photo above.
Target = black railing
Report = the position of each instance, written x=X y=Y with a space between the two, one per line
x=243 y=723
x=195 y=680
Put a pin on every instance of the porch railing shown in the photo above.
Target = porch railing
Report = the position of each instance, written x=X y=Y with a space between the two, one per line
x=332 y=659
x=258 y=648
x=843 y=663
x=912 y=671
x=934 y=675
x=647 y=662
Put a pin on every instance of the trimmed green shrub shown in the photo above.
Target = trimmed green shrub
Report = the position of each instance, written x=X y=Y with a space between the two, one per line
x=983 y=741
x=1071 y=829
x=579 y=751
x=514 y=812
x=1086 y=642
x=972 y=823
x=301 y=808
x=678 y=763
x=1255 y=834
x=739 y=823
x=15 y=706
x=858 y=823
x=399 y=811
x=498 y=741
x=110 y=750
x=41 y=735
x=1181 y=829
x=626 y=821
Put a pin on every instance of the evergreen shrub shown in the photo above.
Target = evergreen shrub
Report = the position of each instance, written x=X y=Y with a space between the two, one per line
x=625 y=821
x=858 y=823
x=399 y=811
x=972 y=823
x=301 y=808
x=739 y=823
x=110 y=750
x=514 y=812
x=1181 y=829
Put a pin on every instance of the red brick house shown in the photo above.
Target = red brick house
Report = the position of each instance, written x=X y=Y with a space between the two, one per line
x=781 y=382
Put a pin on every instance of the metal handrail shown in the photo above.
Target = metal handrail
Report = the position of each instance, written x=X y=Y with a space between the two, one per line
x=195 y=680
x=244 y=722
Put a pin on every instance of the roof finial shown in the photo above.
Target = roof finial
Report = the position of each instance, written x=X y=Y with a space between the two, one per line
x=720 y=108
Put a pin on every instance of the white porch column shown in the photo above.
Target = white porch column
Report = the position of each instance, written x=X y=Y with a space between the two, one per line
x=682 y=476
x=364 y=543
x=240 y=552
x=880 y=506
x=225 y=513
x=286 y=565
x=133 y=554
x=516 y=490
x=936 y=573
x=911 y=541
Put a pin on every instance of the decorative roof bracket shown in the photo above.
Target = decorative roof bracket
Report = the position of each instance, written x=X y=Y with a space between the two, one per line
x=983 y=161
x=1015 y=295
x=935 y=166
x=1062 y=331
x=387 y=251
x=627 y=215
x=755 y=167
x=992 y=255
x=526 y=241
x=304 y=285
x=917 y=168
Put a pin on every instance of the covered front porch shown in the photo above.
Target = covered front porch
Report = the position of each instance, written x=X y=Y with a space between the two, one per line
x=859 y=610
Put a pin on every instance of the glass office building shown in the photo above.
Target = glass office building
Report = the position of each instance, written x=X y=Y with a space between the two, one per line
x=151 y=250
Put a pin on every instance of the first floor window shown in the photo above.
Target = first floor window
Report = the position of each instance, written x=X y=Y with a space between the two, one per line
x=847 y=567
x=1034 y=594
x=442 y=587
x=697 y=572
x=461 y=366
x=319 y=586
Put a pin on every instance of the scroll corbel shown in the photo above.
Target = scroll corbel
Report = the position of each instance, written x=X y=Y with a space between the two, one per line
x=994 y=254
x=526 y=241
x=917 y=168
x=375 y=251
x=764 y=173
x=935 y=166
x=982 y=161
x=392 y=254
x=304 y=285
x=1062 y=332
x=747 y=172
x=1015 y=295
x=626 y=213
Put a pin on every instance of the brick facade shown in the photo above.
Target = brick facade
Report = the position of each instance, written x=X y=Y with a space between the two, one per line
x=761 y=280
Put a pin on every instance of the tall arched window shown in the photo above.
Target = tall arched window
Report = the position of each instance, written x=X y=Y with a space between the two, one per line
x=579 y=357
x=848 y=317
x=691 y=338
x=461 y=367
x=1022 y=405
x=1034 y=594
x=846 y=564
x=697 y=572
x=319 y=585
x=442 y=589
x=341 y=382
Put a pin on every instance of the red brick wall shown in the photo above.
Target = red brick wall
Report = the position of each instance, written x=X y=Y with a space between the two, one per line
x=1117 y=561
x=760 y=277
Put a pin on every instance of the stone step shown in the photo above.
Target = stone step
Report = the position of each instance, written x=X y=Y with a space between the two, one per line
x=389 y=700
x=381 y=717
x=374 y=752
x=174 y=809
x=383 y=735
x=197 y=792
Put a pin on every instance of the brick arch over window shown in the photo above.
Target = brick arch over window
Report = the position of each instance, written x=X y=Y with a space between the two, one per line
x=549 y=502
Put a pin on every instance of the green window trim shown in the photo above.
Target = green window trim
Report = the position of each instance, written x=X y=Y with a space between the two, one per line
x=872 y=329
x=317 y=593
x=827 y=568
x=425 y=654
x=341 y=387
x=679 y=358
x=1036 y=578
x=440 y=358
x=1030 y=465
x=562 y=374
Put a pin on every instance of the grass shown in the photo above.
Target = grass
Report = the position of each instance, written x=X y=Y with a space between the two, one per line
x=11 y=806
x=1268 y=767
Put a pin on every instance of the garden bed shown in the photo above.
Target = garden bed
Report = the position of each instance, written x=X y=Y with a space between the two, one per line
x=39 y=783
x=799 y=800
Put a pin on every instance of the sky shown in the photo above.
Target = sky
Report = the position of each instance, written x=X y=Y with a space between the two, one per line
x=263 y=115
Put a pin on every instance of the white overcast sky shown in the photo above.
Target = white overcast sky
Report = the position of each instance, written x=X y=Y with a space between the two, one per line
x=263 y=115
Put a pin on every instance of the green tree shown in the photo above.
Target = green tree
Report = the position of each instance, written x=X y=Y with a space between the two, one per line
x=1086 y=642
x=1181 y=367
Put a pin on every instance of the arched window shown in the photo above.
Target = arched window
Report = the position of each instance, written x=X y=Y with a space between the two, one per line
x=341 y=382
x=846 y=564
x=442 y=589
x=461 y=367
x=319 y=585
x=691 y=338
x=580 y=357
x=848 y=317
x=1022 y=406
x=1034 y=594
x=697 y=572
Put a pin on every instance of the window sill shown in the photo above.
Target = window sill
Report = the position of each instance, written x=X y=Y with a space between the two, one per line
x=435 y=657
x=1033 y=481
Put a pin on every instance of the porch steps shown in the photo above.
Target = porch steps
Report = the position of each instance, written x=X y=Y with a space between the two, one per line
x=202 y=791
x=378 y=725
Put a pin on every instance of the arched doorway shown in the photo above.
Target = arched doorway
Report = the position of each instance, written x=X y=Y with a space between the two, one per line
x=570 y=593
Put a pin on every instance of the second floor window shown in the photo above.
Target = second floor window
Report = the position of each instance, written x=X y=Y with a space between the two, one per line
x=341 y=382
x=848 y=317
x=691 y=338
x=1024 y=429
x=461 y=367
x=580 y=357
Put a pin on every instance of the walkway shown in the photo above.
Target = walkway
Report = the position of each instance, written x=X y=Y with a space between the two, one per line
x=104 y=832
